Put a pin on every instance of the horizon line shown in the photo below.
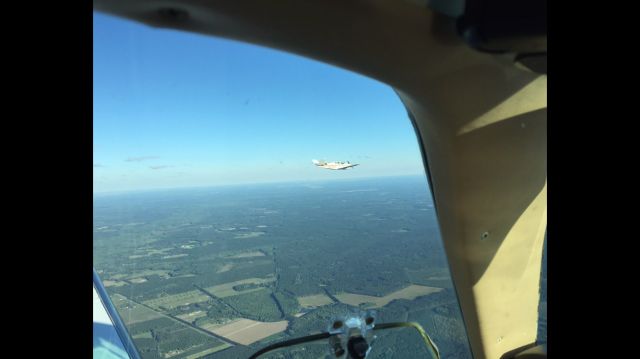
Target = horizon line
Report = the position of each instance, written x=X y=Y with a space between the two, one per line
x=133 y=191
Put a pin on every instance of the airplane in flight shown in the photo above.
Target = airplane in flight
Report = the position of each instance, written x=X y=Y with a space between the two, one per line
x=334 y=165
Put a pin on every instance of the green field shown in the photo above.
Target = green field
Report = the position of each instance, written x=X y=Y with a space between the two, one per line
x=248 y=255
x=249 y=235
x=227 y=290
x=132 y=312
x=208 y=351
x=192 y=316
x=144 y=335
x=147 y=273
x=114 y=283
x=313 y=301
x=173 y=301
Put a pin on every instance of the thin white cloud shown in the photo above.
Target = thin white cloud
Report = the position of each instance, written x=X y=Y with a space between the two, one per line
x=141 y=158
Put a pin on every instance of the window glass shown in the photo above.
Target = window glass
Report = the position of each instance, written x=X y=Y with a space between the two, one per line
x=542 y=309
x=215 y=233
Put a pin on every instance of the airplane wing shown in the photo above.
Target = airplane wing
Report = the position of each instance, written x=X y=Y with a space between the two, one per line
x=346 y=166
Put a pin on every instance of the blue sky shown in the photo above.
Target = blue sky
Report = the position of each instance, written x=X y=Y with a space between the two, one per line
x=173 y=109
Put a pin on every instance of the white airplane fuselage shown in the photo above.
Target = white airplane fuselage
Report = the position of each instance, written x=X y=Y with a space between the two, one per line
x=334 y=165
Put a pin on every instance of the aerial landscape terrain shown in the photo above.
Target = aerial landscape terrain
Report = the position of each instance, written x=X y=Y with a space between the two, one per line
x=221 y=272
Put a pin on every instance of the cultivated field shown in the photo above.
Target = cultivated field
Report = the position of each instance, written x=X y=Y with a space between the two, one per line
x=246 y=331
x=208 y=351
x=226 y=290
x=314 y=301
x=177 y=338
x=190 y=317
x=225 y=268
x=131 y=312
x=176 y=300
x=248 y=255
x=249 y=235
x=411 y=292
x=210 y=325
x=113 y=283
x=175 y=256
x=145 y=335
x=147 y=273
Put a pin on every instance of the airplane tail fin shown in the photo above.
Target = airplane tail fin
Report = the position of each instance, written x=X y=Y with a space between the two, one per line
x=317 y=163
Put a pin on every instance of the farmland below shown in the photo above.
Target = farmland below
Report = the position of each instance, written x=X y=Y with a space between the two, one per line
x=221 y=272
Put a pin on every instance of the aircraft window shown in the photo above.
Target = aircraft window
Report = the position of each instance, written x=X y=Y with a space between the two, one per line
x=215 y=234
x=542 y=309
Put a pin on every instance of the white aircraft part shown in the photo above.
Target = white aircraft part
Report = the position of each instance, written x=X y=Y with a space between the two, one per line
x=106 y=342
